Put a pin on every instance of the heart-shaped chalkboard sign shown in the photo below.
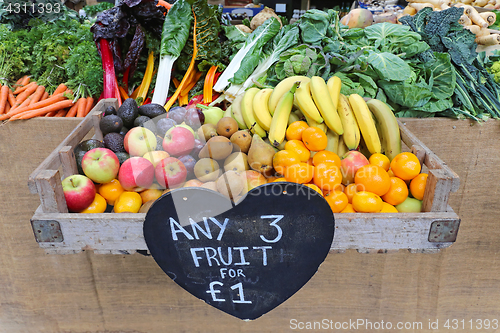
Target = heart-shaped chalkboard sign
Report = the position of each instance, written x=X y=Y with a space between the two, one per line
x=246 y=259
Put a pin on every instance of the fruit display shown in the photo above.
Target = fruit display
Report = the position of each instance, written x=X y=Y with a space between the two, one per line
x=345 y=148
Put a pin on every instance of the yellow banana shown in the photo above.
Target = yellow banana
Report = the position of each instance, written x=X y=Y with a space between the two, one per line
x=306 y=103
x=312 y=123
x=351 y=130
x=389 y=128
x=236 y=112
x=342 y=148
x=282 y=88
x=328 y=110
x=365 y=123
x=334 y=84
x=333 y=141
x=280 y=117
x=247 y=112
x=293 y=118
x=261 y=108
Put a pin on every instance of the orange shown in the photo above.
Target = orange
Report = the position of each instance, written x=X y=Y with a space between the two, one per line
x=314 y=187
x=327 y=176
x=300 y=148
x=348 y=209
x=150 y=194
x=128 y=202
x=390 y=173
x=373 y=179
x=398 y=192
x=271 y=179
x=337 y=201
x=387 y=208
x=350 y=190
x=295 y=129
x=282 y=179
x=299 y=173
x=326 y=156
x=405 y=166
x=366 y=202
x=314 y=139
x=380 y=160
x=417 y=186
x=283 y=159
x=97 y=206
x=111 y=191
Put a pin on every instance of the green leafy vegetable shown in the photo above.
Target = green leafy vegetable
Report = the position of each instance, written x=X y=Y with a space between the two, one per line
x=304 y=60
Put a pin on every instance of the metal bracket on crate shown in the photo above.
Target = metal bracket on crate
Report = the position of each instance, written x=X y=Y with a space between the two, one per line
x=47 y=231
x=444 y=231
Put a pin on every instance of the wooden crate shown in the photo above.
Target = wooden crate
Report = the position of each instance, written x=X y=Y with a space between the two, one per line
x=60 y=232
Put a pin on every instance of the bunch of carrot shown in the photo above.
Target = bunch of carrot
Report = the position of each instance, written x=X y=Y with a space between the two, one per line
x=30 y=100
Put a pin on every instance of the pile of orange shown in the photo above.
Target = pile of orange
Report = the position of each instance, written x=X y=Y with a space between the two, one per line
x=382 y=186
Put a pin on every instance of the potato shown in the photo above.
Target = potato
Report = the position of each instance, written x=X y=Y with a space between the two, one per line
x=262 y=16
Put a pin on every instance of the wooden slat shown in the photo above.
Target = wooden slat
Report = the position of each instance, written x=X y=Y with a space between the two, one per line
x=96 y=119
x=53 y=162
x=366 y=232
x=68 y=161
x=431 y=160
x=48 y=183
x=437 y=191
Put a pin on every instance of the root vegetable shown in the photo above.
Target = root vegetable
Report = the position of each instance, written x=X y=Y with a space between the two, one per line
x=473 y=28
x=262 y=16
x=420 y=6
x=480 y=3
x=489 y=40
x=409 y=10
x=243 y=28
x=483 y=32
x=489 y=17
x=464 y=20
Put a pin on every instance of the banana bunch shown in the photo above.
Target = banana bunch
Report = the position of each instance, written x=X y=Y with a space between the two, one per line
x=347 y=121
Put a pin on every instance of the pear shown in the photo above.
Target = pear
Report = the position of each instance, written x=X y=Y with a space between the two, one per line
x=237 y=162
x=206 y=132
x=260 y=155
x=242 y=139
x=218 y=147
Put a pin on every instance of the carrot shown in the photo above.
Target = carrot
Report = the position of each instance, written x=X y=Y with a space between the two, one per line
x=24 y=95
x=60 y=88
x=11 y=98
x=51 y=114
x=7 y=107
x=172 y=100
x=42 y=111
x=18 y=82
x=80 y=110
x=72 y=111
x=45 y=102
x=123 y=93
x=37 y=95
x=25 y=80
x=23 y=88
x=61 y=113
x=4 y=94
x=45 y=95
x=90 y=105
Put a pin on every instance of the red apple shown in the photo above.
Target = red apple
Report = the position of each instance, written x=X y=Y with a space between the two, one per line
x=170 y=172
x=79 y=192
x=136 y=174
x=178 y=141
x=352 y=161
x=139 y=140
x=101 y=165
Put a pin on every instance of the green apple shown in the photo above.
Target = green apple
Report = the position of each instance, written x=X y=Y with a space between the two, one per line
x=212 y=115
x=410 y=205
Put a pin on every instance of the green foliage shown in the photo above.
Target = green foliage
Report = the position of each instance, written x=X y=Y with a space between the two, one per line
x=302 y=60
x=93 y=10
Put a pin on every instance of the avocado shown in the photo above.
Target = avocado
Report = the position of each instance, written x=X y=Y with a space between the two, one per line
x=152 y=110
x=114 y=142
x=111 y=123
x=145 y=121
x=84 y=147
x=109 y=110
x=159 y=142
x=122 y=156
x=128 y=111
x=123 y=131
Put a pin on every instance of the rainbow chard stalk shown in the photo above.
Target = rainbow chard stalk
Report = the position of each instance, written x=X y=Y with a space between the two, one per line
x=173 y=38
